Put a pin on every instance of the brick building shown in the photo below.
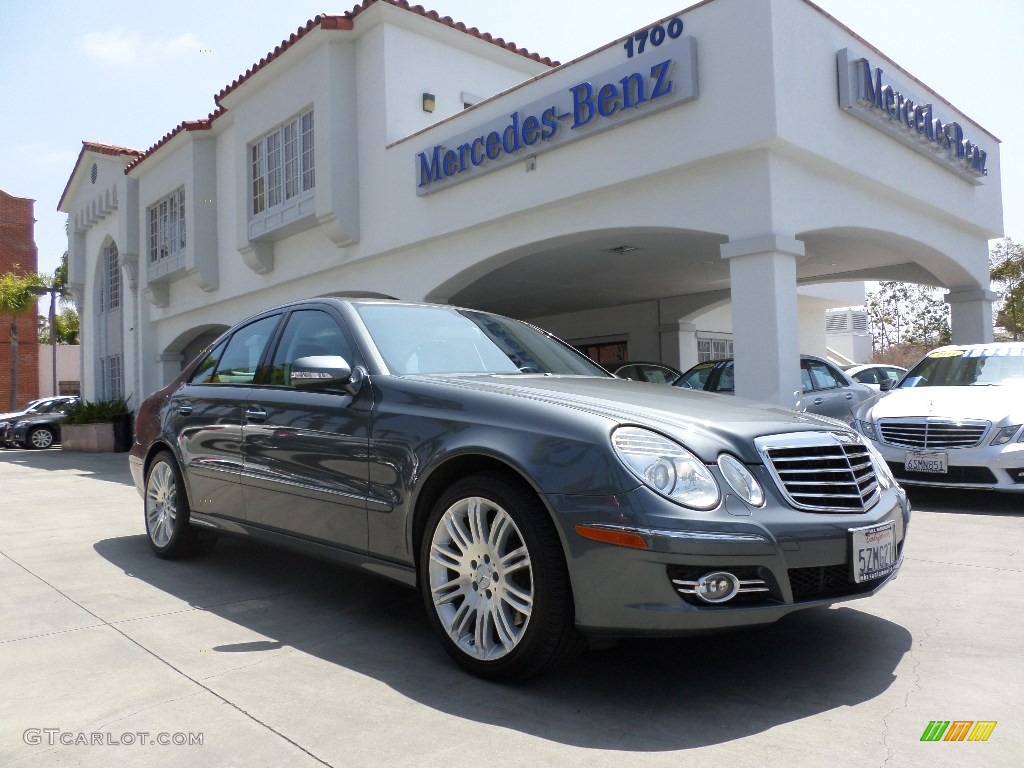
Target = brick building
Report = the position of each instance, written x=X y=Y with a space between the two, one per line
x=18 y=247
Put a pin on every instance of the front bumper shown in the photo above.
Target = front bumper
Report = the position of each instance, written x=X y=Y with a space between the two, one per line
x=985 y=467
x=797 y=560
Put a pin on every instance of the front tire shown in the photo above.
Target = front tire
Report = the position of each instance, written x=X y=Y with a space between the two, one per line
x=167 y=511
x=494 y=581
x=40 y=438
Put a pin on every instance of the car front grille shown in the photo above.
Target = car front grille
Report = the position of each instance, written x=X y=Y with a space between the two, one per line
x=822 y=471
x=932 y=433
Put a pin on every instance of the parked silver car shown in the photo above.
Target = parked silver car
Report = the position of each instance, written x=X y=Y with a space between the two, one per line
x=826 y=391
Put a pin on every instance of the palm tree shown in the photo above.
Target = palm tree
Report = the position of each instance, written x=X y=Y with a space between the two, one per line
x=16 y=299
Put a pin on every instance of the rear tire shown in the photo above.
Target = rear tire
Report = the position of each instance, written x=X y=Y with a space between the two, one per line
x=167 y=512
x=494 y=581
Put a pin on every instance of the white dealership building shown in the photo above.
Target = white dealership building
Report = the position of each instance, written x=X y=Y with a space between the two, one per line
x=696 y=185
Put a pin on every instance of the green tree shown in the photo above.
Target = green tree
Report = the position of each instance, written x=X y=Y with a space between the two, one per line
x=1007 y=273
x=68 y=328
x=907 y=314
x=15 y=300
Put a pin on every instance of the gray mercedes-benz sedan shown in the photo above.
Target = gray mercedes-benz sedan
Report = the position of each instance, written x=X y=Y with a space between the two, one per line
x=533 y=499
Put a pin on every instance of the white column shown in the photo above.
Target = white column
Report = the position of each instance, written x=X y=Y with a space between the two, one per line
x=678 y=344
x=766 y=328
x=971 y=315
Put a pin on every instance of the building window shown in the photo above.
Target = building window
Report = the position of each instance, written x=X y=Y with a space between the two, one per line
x=282 y=164
x=714 y=349
x=113 y=377
x=605 y=352
x=167 y=226
x=113 y=282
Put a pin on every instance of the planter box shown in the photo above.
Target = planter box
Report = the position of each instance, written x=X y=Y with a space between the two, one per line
x=87 y=437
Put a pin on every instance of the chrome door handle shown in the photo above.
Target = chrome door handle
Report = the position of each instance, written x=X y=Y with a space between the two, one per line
x=185 y=409
x=849 y=395
x=818 y=401
x=255 y=414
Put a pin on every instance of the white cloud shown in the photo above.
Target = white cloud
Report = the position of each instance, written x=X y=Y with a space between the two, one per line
x=116 y=46
x=123 y=46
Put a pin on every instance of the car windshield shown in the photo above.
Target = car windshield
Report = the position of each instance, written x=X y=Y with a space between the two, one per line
x=432 y=339
x=996 y=366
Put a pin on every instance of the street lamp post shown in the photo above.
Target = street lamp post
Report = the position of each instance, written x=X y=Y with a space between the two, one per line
x=40 y=290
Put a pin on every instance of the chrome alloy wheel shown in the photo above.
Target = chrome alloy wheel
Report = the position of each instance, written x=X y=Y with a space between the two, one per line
x=481 y=578
x=161 y=503
x=41 y=438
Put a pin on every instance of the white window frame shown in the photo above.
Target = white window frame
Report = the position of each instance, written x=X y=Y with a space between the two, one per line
x=282 y=164
x=709 y=349
x=166 y=219
x=112 y=293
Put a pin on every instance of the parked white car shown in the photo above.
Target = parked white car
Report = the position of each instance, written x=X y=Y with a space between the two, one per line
x=955 y=420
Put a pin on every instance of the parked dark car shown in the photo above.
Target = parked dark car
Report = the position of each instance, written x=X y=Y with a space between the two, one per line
x=532 y=498
x=827 y=391
x=46 y=412
x=654 y=373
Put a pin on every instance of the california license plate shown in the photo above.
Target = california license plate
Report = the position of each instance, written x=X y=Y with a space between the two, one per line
x=926 y=462
x=874 y=551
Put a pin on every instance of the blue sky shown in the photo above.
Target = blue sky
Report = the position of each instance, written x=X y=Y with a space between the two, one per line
x=126 y=73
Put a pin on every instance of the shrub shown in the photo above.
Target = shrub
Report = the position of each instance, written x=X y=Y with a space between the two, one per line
x=100 y=412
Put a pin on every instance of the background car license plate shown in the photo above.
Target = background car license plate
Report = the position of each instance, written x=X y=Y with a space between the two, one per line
x=926 y=462
x=874 y=551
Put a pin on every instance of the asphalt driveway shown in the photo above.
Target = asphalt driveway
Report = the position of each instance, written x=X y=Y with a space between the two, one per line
x=251 y=657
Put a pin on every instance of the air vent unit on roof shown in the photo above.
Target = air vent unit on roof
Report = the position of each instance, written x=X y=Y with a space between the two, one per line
x=621 y=249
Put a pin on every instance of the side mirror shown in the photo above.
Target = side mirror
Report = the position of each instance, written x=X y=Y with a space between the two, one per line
x=887 y=384
x=324 y=372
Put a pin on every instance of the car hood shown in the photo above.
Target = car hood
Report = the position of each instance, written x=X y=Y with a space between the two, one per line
x=706 y=423
x=995 y=404
x=12 y=415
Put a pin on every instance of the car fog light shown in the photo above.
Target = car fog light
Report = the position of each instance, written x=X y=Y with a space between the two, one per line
x=717 y=587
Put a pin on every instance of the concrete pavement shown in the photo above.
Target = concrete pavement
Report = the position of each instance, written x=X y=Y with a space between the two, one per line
x=271 y=659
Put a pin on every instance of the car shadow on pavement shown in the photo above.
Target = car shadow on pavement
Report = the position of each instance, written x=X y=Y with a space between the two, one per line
x=110 y=467
x=966 y=501
x=640 y=695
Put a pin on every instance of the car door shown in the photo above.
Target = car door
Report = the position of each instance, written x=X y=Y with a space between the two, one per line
x=828 y=395
x=205 y=418
x=306 y=466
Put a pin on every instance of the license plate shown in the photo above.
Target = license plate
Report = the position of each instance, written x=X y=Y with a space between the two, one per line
x=926 y=462
x=874 y=551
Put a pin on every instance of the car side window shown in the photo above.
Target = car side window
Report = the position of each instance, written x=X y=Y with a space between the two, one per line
x=309 y=333
x=630 y=372
x=696 y=377
x=821 y=376
x=895 y=374
x=657 y=375
x=870 y=376
x=204 y=371
x=241 y=356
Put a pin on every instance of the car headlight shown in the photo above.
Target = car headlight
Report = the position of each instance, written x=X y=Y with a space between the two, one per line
x=1005 y=435
x=741 y=480
x=666 y=467
x=886 y=479
x=866 y=428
